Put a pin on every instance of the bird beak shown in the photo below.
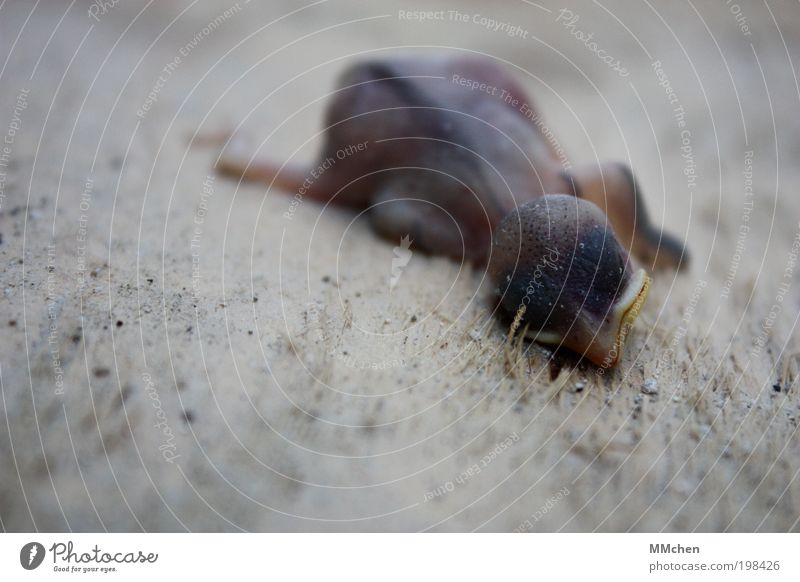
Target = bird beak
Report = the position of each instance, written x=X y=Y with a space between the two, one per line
x=606 y=347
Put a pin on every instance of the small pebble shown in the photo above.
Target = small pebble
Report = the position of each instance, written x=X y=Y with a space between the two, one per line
x=650 y=386
x=579 y=386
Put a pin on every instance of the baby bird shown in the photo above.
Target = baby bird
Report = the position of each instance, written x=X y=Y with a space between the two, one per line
x=449 y=151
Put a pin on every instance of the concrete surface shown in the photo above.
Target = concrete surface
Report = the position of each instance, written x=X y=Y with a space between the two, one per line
x=177 y=354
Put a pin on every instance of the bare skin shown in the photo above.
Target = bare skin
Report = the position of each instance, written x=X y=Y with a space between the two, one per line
x=452 y=156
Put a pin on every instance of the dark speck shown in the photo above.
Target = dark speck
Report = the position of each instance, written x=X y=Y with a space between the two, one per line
x=413 y=319
x=119 y=323
x=555 y=363
x=188 y=416
x=326 y=279
x=125 y=393
x=255 y=299
x=101 y=372
x=250 y=332
x=777 y=387
x=12 y=323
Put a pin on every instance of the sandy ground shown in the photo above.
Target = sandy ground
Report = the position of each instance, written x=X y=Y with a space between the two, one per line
x=179 y=353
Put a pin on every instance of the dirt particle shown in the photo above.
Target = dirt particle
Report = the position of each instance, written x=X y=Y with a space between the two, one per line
x=188 y=416
x=120 y=323
x=101 y=372
x=650 y=386
x=124 y=394
x=12 y=323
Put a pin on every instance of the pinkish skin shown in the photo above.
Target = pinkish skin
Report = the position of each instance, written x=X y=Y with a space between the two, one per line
x=451 y=149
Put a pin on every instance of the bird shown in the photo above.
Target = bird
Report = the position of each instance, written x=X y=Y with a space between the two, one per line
x=450 y=151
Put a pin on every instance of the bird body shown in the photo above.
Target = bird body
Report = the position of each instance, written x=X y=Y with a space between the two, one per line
x=449 y=152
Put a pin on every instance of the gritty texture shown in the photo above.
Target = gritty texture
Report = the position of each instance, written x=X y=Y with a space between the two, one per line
x=177 y=354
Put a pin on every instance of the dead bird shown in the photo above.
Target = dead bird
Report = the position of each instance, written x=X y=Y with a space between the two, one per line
x=450 y=152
